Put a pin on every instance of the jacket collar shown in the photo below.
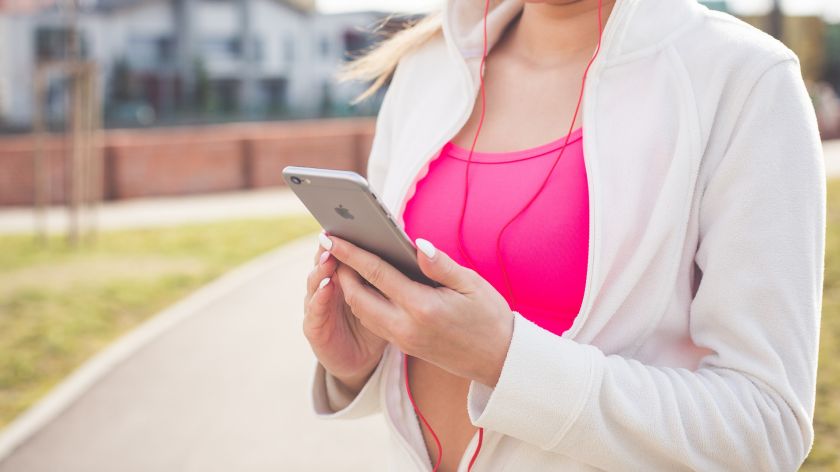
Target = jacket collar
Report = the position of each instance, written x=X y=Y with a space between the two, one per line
x=633 y=27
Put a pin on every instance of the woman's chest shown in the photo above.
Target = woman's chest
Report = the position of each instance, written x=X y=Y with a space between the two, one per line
x=520 y=219
x=642 y=156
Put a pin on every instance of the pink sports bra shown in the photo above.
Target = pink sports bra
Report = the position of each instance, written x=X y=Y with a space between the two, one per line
x=545 y=250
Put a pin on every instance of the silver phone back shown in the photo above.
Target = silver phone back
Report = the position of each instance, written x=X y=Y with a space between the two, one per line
x=345 y=206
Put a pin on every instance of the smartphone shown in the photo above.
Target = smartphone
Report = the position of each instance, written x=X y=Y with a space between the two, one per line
x=345 y=206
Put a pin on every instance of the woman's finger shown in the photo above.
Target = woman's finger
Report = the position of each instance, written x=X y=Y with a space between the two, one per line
x=321 y=298
x=321 y=270
x=320 y=250
x=387 y=278
x=438 y=266
x=374 y=311
x=318 y=254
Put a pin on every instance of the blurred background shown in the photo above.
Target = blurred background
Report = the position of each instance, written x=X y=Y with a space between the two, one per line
x=151 y=258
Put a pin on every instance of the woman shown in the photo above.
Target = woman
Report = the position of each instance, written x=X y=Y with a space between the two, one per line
x=657 y=305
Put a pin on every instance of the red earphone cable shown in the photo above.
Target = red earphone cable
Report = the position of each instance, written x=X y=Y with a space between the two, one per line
x=477 y=448
x=432 y=431
x=499 y=258
x=475 y=139
x=499 y=237
x=422 y=418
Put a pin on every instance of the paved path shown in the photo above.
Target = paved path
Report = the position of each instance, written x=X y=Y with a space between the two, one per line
x=831 y=149
x=226 y=390
x=165 y=211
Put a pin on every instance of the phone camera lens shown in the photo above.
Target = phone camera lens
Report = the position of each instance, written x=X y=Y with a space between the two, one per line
x=295 y=179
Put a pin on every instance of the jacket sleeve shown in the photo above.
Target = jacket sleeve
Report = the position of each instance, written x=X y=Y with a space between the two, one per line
x=749 y=404
x=329 y=399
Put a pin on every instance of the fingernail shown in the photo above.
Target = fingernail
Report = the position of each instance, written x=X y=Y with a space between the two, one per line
x=324 y=281
x=326 y=243
x=427 y=247
x=324 y=256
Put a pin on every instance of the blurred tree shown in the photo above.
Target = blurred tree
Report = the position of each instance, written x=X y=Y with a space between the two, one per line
x=123 y=87
x=832 y=55
x=183 y=17
x=775 y=20
x=202 y=98
x=327 y=101
x=248 y=89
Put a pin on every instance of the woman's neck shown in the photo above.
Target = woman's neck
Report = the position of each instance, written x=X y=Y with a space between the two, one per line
x=545 y=34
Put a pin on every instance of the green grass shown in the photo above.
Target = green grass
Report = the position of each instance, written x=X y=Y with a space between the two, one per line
x=59 y=306
x=825 y=454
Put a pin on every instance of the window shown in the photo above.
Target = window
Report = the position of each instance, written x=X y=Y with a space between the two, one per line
x=54 y=43
x=259 y=53
x=289 y=50
x=166 y=49
x=325 y=47
x=232 y=48
x=275 y=94
x=151 y=52
x=220 y=48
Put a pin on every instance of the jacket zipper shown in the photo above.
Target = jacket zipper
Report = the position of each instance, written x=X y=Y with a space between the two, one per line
x=465 y=114
x=615 y=20
x=592 y=198
x=593 y=78
x=390 y=422
x=402 y=194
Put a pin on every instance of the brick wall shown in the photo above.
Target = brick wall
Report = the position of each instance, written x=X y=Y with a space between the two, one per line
x=17 y=172
x=181 y=161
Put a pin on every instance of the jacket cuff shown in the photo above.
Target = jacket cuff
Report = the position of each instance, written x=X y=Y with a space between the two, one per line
x=339 y=397
x=544 y=384
x=330 y=399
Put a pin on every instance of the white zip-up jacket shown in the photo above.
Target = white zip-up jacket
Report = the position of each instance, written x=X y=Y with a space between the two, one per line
x=696 y=343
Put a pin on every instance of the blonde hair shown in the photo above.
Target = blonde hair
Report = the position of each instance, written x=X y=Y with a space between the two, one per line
x=378 y=63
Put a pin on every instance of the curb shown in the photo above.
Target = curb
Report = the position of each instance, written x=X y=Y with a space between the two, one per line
x=32 y=420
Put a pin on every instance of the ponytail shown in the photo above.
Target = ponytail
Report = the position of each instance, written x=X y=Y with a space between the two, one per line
x=379 y=63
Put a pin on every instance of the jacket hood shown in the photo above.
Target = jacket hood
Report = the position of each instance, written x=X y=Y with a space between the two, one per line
x=632 y=27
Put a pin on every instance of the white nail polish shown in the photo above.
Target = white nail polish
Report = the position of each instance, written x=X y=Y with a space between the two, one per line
x=325 y=241
x=427 y=247
x=324 y=281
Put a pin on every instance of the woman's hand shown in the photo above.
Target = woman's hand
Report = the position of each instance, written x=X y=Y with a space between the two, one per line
x=345 y=348
x=464 y=327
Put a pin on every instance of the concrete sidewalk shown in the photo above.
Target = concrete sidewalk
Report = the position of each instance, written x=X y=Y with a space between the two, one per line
x=225 y=390
x=831 y=150
x=164 y=211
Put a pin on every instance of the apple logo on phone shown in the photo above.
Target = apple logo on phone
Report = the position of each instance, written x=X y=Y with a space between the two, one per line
x=343 y=212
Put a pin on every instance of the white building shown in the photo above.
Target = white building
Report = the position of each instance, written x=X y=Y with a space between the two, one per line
x=250 y=56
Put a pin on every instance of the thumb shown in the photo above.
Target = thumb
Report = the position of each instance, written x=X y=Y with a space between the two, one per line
x=438 y=266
